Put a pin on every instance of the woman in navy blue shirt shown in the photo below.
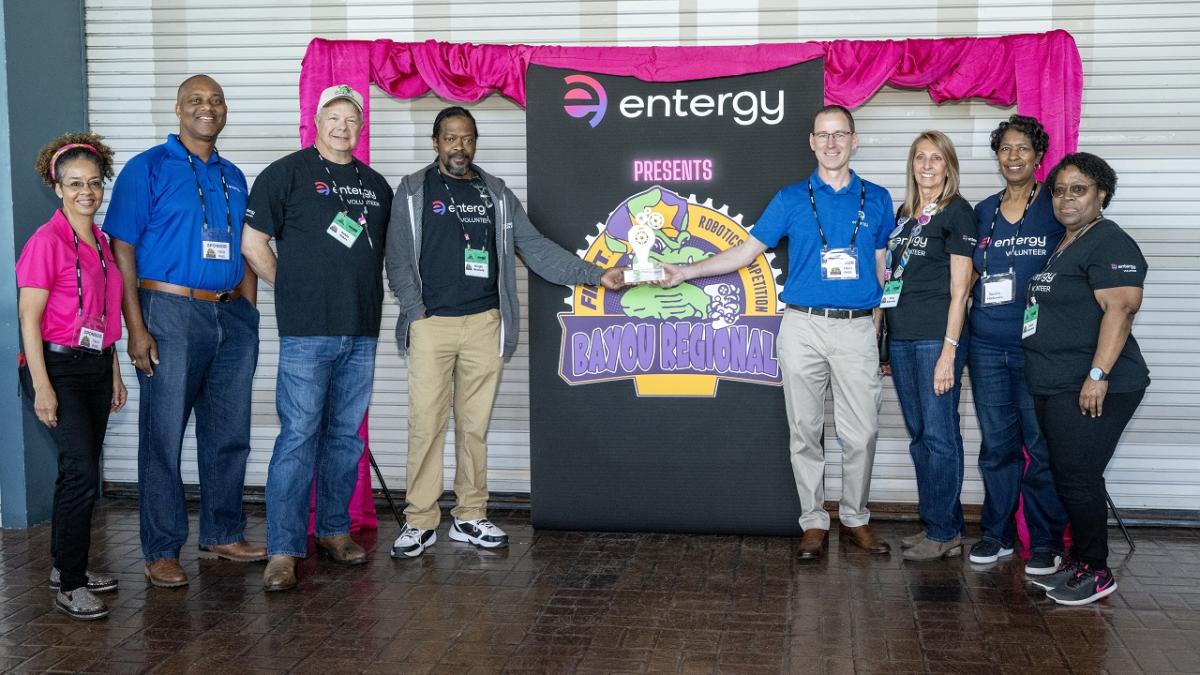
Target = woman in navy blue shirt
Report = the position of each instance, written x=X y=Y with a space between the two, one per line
x=1017 y=231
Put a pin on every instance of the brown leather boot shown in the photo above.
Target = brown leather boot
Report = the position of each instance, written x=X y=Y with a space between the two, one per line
x=166 y=573
x=343 y=549
x=238 y=551
x=812 y=544
x=280 y=574
x=865 y=538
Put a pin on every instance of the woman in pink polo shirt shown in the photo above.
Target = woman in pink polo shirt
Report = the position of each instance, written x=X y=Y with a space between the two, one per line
x=70 y=311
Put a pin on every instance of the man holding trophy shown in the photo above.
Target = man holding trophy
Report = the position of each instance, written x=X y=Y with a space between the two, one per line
x=837 y=227
x=451 y=263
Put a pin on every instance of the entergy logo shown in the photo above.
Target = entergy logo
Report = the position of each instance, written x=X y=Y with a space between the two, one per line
x=322 y=187
x=439 y=206
x=588 y=99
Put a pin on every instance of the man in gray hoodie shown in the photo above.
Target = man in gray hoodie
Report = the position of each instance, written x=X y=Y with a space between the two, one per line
x=451 y=263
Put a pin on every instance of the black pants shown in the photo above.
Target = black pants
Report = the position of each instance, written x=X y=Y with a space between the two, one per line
x=84 y=388
x=1080 y=448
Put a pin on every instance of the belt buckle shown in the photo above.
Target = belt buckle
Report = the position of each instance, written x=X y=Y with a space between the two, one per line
x=224 y=297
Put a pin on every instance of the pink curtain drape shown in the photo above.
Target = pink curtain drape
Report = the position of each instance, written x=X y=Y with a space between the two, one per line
x=1040 y=73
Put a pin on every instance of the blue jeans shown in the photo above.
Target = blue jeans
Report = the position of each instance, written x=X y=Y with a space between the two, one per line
x=1007 y=421
x=322 y=392
x=932 y=422
x=207 y=353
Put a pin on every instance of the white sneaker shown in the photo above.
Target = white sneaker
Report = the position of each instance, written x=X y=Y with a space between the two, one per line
x=479 y=532
x=413 y=541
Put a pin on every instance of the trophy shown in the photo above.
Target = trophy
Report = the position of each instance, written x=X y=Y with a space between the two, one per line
x=641 y=240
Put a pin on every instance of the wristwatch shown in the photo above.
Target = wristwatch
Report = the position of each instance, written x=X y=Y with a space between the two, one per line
x=1097 y=375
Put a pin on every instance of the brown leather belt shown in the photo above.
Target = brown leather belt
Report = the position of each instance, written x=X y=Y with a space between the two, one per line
x=193 y=293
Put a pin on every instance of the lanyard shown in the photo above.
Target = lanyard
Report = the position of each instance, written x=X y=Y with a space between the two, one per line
x=1012 y=252
x=862 y=202
x=79 y=277
x=362 y=219
x=200 y=191
x=890 y=272
x=1029 y=296
x=483 y=196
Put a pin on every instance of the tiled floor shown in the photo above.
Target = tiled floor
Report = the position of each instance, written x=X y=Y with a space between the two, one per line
x=576 y=602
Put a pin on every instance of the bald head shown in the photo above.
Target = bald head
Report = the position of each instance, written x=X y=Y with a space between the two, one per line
x=200 y=107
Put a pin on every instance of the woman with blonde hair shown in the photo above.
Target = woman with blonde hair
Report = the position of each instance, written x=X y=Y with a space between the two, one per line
x=927 y=282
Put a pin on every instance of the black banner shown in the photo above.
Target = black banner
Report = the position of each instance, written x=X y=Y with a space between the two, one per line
x=660 y=409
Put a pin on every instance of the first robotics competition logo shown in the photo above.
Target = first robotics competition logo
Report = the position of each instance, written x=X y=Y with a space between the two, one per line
x=673 y=341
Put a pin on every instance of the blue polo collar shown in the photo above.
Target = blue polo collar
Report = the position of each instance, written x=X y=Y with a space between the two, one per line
x=818 y=184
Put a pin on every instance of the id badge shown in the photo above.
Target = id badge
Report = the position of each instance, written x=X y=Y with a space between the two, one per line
x=839 y=264
x=891 y=293
x=216 y=245
x=90 y=335
x=344 y=229
x=475 y=262
x=1029 y=326
x=998 y=289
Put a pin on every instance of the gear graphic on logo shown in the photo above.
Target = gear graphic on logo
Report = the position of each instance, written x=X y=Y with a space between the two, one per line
x=673 y=341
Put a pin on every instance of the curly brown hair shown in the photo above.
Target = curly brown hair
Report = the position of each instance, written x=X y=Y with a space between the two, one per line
x=103 y=157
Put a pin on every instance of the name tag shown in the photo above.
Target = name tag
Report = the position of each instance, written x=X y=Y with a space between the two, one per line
x=998 y=289
x=839 y=264
x=1029 y=327
x=344 y=229
x=215 y=245
x=891 y=293
x=475 y=262
x=91 y=333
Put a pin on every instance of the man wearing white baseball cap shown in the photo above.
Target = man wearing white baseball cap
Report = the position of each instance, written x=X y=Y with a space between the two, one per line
x=328 y=213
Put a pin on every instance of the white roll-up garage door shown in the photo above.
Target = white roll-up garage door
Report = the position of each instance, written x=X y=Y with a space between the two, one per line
x=1141 y=112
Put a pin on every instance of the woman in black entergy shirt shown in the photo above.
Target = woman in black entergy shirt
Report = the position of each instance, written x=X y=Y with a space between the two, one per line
x=928 y=270
x=1083 y=366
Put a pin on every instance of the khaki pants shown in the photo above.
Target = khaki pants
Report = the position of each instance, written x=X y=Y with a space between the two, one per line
x=458 y=354
x=815 y=352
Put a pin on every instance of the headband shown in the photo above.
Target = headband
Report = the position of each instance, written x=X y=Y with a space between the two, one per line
x=69 y=146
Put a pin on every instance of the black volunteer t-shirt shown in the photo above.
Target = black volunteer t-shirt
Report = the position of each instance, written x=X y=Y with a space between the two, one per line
x=925 y=298
x=458 y=213
x=1058 y=356
x=323 y=287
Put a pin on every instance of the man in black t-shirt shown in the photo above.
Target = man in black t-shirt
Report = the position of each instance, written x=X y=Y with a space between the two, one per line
x=452 y=265
x=328 y=213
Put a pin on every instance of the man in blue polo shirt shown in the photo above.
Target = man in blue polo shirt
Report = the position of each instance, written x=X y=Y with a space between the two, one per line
x=837 y=227
x=175 y=223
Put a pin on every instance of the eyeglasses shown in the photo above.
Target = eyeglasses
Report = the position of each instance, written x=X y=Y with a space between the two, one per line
x=1076 y=189
x=837 y=136
x=77 y=185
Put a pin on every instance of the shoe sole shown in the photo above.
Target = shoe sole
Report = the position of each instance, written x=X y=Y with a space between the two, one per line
x=94 y=589
x=458 y=535
x=401 y=555
x=164 y=584
x=276 y=589
x=213 y=555
x=983 y=560
x=81 y=617
x=1088 y=600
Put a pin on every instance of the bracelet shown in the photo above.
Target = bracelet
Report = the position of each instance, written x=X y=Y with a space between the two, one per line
x=951 y=340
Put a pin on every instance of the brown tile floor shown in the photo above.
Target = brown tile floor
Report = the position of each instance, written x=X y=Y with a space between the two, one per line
x=577 y=602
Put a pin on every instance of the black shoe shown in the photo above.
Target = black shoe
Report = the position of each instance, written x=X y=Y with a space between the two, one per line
x=1042 y=563
x=988 y=551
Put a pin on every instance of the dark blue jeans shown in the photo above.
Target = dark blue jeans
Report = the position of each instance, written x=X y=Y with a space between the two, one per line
x=322 y=392
x=207 y=354
x=936 y=443
x=1007 y=422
